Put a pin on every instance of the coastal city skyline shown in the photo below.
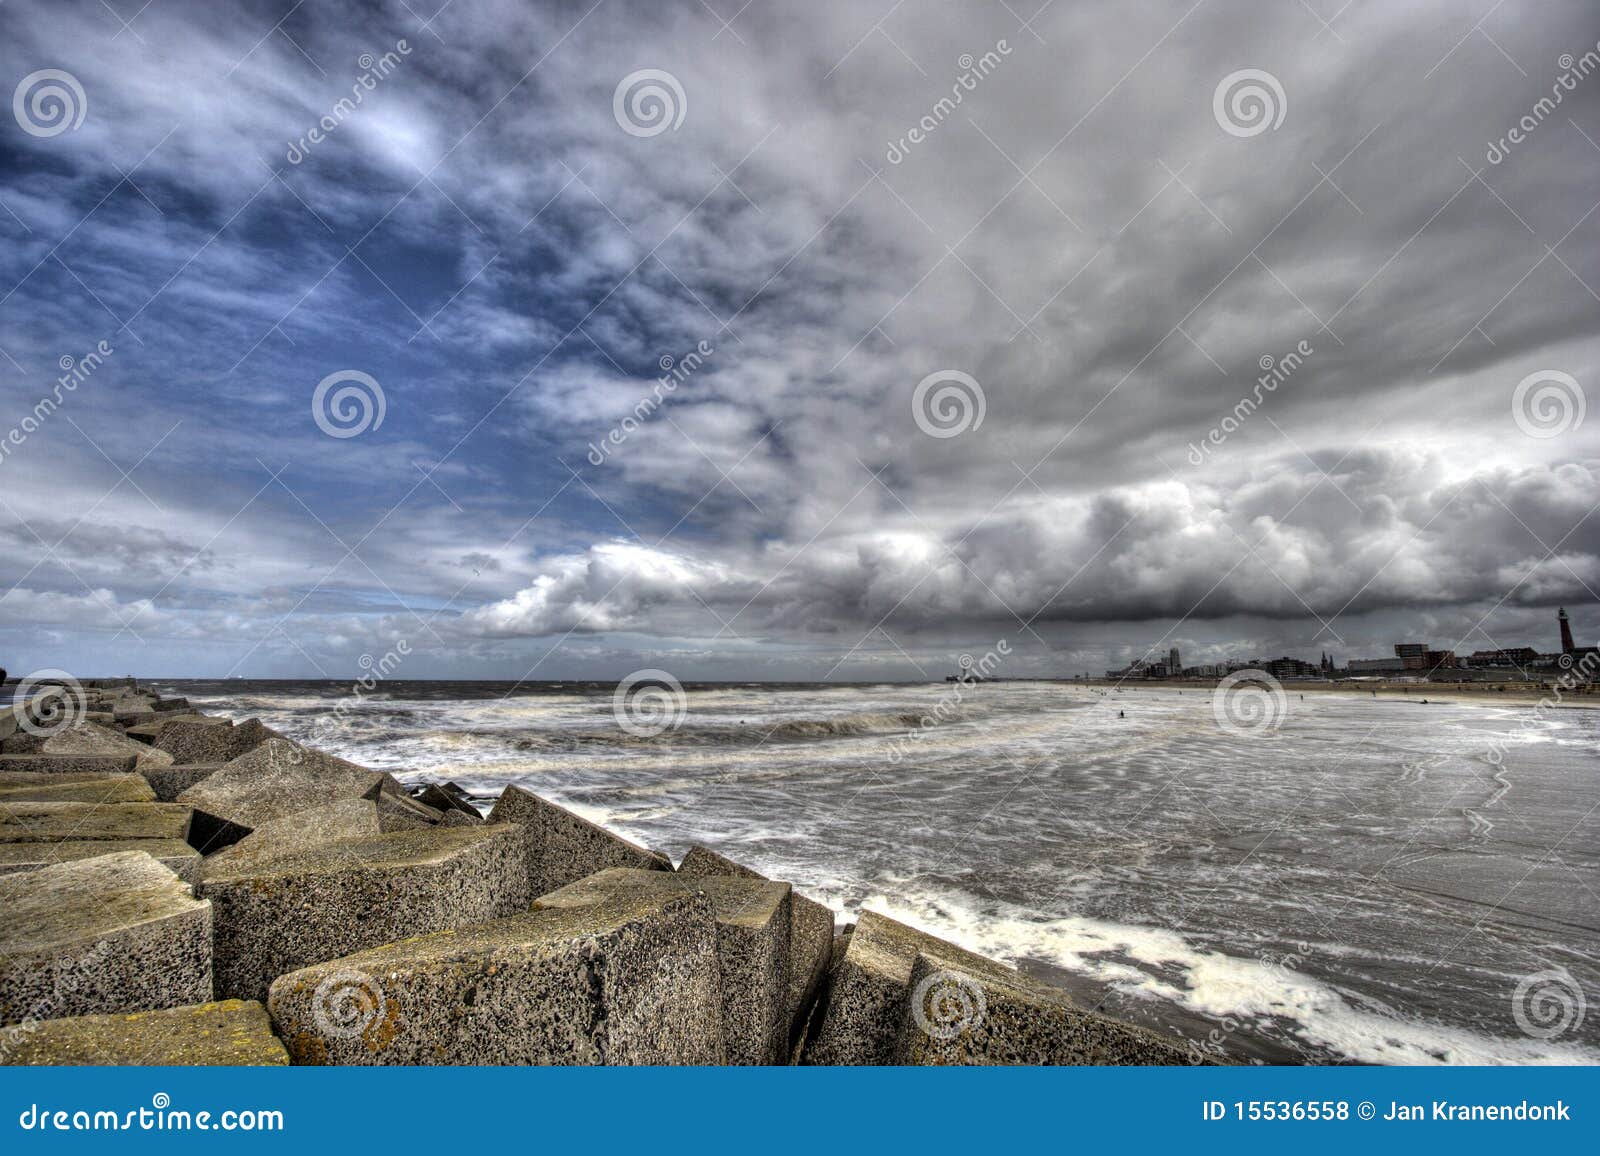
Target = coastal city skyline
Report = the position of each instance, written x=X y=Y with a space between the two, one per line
x=1410 y=659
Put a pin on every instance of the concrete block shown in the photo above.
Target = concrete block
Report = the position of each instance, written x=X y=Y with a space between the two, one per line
x=173 y=854
x=446 y=797
x=284 y=838
x=199 y=740
x=996 y=1016
x=276 y=779
x=131 y=709
x=869 y=989
x=45 y=711
x=116 y=933
x=810 y=932
x=699 y=862
x=400 y=812
x=562 y=848
x=331 y=899
x=631 y=980
x=753 y=927
x=170 y=782
x=230 y=1033
x=461 y=819
x=752 y=918
x=25 y=787
x=69 y=764
x=148 y=732
x=51 y=822
x=10 y=722
x=87 y=738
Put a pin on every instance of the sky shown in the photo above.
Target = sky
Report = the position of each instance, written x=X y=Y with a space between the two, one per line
x=807 y=339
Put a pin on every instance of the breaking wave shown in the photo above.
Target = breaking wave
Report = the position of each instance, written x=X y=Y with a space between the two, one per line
x=845 y=725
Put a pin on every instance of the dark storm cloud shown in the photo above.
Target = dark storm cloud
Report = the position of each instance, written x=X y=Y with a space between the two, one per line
x=1080 y=233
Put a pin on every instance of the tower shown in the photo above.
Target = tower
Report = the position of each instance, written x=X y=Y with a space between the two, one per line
x=1174 y=666
x=1566 y=631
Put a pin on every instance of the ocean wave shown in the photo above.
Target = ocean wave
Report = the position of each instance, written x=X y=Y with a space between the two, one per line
x=850 y=724
x=693 y=733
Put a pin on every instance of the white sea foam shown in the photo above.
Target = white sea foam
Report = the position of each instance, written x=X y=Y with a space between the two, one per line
x=1216 y=985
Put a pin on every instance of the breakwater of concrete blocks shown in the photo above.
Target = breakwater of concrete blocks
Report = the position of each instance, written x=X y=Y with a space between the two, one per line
x=176 y=888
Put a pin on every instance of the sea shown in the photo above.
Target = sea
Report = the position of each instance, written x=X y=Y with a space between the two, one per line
x=1331 y=878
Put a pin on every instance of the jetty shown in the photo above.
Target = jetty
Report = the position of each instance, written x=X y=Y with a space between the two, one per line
x=178 y=888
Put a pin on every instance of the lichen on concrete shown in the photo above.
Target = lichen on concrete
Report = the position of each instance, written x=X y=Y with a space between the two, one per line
x=231 y=1033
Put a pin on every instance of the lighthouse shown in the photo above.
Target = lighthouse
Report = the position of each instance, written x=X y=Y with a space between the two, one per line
x=1567 y=646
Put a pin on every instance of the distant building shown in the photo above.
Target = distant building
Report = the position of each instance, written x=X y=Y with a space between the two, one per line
x=1174 y=663
x=1584 y=659
x=1286 y=668
x=1412 y=655
x=1376 y=665
x=1512 y=656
